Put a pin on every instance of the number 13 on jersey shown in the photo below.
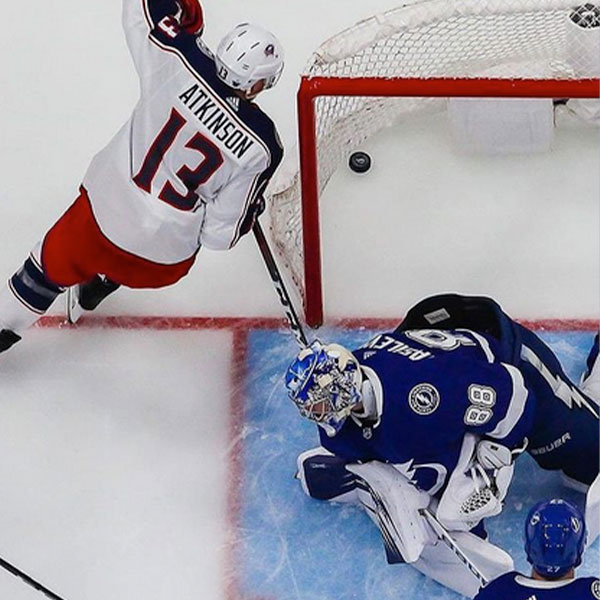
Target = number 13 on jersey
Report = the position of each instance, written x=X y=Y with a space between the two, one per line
x=190 y=178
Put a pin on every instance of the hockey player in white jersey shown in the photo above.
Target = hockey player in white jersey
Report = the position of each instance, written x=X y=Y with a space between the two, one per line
x=187 y=170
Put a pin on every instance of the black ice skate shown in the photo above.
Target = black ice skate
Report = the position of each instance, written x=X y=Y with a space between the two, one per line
x=87 y=296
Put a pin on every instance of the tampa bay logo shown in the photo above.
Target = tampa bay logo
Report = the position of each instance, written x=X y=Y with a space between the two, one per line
x=596 y=589
x=424 y=399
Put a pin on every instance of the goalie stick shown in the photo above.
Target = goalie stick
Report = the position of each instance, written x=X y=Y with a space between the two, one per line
x=282 y=293
x=28 y=580
x=443 y=534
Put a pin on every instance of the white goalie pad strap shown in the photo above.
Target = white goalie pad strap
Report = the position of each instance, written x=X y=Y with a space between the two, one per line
x=472 y=492
x=394 y=504
x=592 y=511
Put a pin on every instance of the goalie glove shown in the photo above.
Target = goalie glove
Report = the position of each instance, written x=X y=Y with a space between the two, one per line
x=473 y=493
x=473 y=496
x=256 y=208
x=491 y=455
x=191 y=17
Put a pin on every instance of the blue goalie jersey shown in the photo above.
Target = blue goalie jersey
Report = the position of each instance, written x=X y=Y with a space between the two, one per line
x=514 y=586
x=431 y=387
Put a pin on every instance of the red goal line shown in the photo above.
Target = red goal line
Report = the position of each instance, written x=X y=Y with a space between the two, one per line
x=167 y=323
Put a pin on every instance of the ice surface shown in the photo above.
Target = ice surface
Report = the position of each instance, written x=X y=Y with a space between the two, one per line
x=157 y=462
x=114 y=461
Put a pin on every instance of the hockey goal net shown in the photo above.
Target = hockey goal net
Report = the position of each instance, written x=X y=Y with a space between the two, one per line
x=407 y=61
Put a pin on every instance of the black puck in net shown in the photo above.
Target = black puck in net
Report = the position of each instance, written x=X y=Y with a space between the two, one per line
x=360 y=162
x=586 y=16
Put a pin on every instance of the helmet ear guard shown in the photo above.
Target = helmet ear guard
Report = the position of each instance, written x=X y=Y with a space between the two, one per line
x=324 y=382
x=249 y=54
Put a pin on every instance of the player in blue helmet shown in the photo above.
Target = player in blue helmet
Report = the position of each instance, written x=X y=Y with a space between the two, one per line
x=555 y=536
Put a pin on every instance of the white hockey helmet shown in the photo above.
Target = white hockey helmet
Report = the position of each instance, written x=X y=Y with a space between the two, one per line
x=248 y=54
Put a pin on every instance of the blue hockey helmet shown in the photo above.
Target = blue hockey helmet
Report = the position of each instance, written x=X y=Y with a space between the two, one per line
x=324 y=381
x=555 y=537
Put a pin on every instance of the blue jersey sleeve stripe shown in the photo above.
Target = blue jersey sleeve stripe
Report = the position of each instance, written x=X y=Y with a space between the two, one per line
x=485 y=346
x=568 y=394
x=377 y=387
x=516 y=406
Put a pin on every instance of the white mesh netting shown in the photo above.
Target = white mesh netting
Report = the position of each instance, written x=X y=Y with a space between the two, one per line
x=538 y=39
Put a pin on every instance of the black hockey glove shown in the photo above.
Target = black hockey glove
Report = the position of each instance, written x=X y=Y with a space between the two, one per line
x=256 y=209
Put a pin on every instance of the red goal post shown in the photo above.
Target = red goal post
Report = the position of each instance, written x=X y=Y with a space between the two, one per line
x=348 y=82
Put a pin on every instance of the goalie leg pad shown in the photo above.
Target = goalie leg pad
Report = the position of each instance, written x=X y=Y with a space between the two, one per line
x=443 y=565
x=324 y=476
x=592 y=511
x=590 y=382
x=394 y=504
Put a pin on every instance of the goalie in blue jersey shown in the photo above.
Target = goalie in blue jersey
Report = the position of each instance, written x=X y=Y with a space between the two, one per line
x=555 y=536
x=422 y=425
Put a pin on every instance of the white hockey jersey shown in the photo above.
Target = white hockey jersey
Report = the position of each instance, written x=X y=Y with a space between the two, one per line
x=186 y=168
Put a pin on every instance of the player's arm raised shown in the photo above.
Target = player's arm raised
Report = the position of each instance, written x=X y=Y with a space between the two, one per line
x=148 y=23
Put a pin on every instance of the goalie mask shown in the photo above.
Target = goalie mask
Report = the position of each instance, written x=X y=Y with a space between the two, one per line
x=247 y=55
x=555 y=538
x=324 y=383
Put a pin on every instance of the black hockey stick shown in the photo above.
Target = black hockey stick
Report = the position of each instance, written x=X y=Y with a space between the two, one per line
x=280 y=288
x=28 y=580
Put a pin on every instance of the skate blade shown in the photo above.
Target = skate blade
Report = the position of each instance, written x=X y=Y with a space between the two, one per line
x=74 y=310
